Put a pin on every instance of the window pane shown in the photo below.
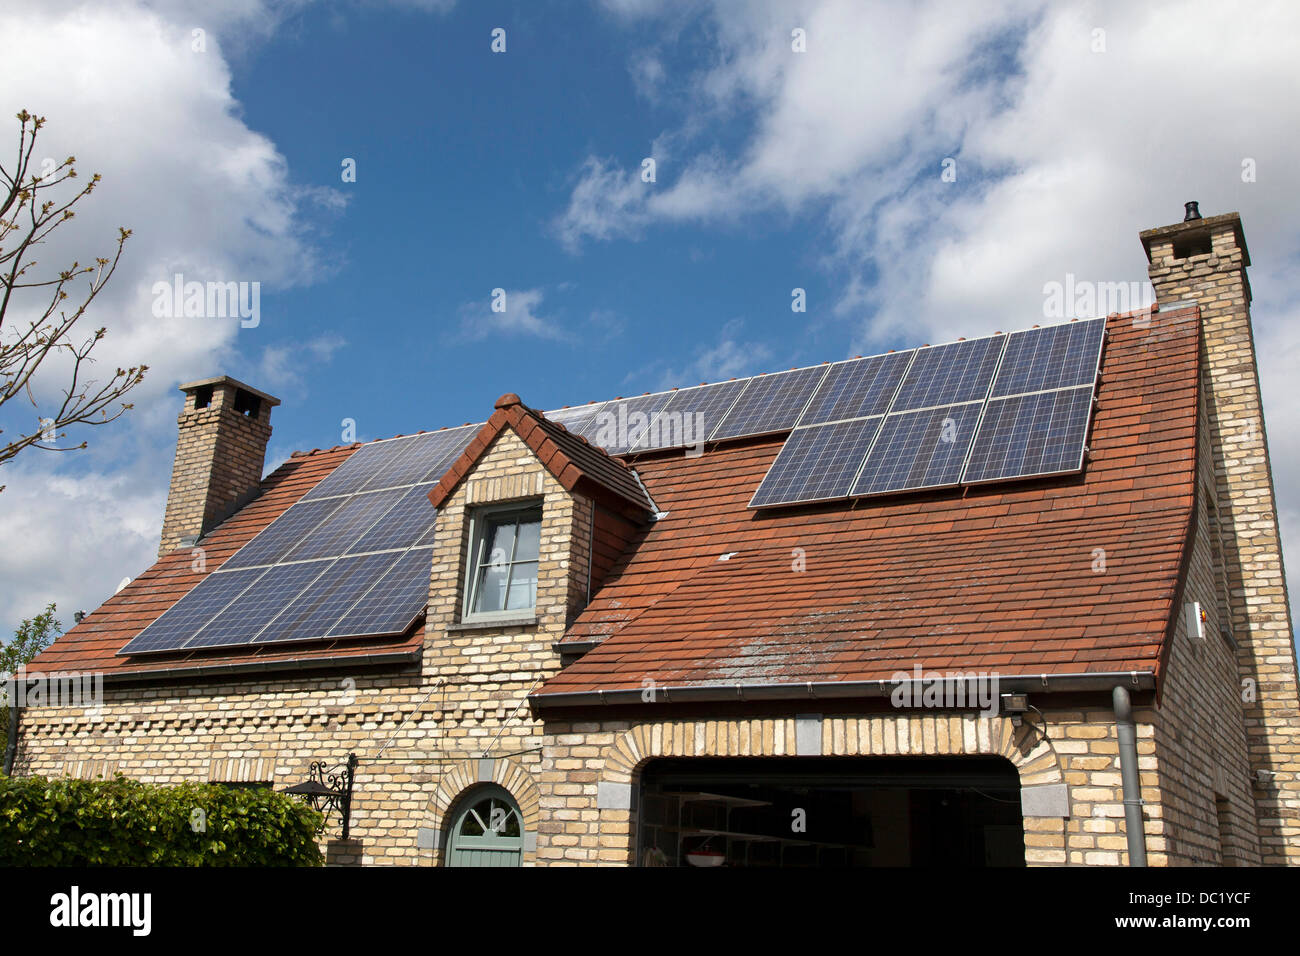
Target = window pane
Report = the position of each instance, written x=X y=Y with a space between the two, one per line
x=501 y=540
x=530 y=535
x=471 y=825
x=507 y=820
x=491 y=592
x=523 y=587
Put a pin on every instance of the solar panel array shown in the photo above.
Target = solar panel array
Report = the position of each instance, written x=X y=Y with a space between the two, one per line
x=968 y=412
x=350 y=559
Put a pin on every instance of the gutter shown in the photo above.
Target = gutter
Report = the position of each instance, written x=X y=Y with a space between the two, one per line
x=172 y=674
x=828 y=690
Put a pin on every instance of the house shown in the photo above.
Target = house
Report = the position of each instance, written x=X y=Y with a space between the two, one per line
x=761 y=650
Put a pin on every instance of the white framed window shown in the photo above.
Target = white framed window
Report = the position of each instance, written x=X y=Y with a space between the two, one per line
x=501 y=574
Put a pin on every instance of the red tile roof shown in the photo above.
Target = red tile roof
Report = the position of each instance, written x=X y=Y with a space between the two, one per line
x=93 y=644
x=996 y=577
x=575 y=463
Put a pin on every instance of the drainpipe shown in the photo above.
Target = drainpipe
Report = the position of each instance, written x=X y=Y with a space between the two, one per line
x=11 y=747
x=1128 y=766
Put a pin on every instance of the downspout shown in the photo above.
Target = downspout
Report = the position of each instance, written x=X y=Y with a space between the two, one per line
x=1128 y=766
x=11 y=746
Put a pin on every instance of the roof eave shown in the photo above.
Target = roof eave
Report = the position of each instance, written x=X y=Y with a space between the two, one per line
x=243 y=668
x=837 y=690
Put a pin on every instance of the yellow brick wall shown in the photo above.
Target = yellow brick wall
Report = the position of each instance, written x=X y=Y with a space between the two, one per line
x=1243 y=480
x=420 y=737
x=1082 y=751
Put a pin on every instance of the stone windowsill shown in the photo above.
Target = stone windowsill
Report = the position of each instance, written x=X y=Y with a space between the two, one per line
x=523 y=620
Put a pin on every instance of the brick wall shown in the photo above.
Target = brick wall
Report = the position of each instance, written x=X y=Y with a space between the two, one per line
x=1183 y=268
x=590 y=771
x=422 y=738
x=1203 y=765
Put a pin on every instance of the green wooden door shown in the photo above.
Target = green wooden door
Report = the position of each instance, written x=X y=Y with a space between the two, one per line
x=487 y=831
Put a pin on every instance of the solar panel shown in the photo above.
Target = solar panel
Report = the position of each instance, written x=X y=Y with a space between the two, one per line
x=1027 y=435
x=817 y=463
x=771 y=403
x=921 y=449
x=692 y=414
x=183 y=619
x=422 y=456
x=1058 y=356
x=578 y=418
x=949 y=374
x=313 y=612
x=283 y=534
x=353 y=518
x=619 y=425
x=362 y=466
x=401 y=526
x=857 y=388
x=244 y=618
x=393 y=604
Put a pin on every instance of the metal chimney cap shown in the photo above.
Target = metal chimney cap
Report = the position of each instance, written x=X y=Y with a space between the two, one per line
x=1192 y=211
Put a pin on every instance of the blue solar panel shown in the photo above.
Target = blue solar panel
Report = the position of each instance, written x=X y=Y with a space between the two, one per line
x=578 y=418
x=353 y=518
x=691 y=415
x=950 y=374
x=817 y=463
x=1059 y=356
x=361 y=467
x=619 y=425
x=283 y=534
x=423 y=454
x=393 y=604
x=857 y=388
x=921 y=449
x=319 y=608
x=771 y=403
x=179 y=623
x=244 y=618
x=401 y=526
x=1027 y=435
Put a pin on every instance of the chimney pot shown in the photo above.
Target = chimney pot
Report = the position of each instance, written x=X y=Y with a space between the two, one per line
x=1192 y=211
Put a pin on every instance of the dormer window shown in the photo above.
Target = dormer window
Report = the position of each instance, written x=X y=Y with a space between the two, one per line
x=502 y=568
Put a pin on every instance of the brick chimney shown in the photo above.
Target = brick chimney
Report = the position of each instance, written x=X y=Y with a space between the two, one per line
x=1205 y=260
x=220 y=451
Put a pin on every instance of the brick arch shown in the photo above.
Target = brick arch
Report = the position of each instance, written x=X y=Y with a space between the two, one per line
x=467 y=774
x=948 y=734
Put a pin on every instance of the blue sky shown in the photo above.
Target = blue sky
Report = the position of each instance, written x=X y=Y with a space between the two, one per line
x=465 y=160
x=1070 y=128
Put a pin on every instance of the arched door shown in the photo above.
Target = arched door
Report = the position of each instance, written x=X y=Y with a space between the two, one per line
x=487 y=830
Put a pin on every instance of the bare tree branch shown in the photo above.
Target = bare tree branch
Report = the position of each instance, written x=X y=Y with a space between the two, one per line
x=27 y=217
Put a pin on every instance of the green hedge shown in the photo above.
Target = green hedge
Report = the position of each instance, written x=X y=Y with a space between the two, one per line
x=121 y=822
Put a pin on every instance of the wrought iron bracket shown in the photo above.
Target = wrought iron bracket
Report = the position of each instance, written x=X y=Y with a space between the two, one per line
x=329 y=792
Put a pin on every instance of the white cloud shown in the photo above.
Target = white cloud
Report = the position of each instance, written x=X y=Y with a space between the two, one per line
x=730 y=356
x=520 y=317
x=72 y=540
x=123 y=90
x=1063 y=154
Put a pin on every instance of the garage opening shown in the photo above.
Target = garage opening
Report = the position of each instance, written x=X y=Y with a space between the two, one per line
x=831 y=812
